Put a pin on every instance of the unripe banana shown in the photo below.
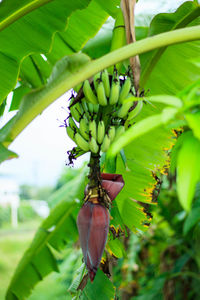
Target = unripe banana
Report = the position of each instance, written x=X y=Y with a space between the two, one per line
x=115 y=89
x=119 y=131
x=93 y=145
x=125 y=89
x=123 y=111
x=81 y=142
x=96 y=108
x=85 y=108
x=93 y=129
x=91 y=108
x=73 y=125
x=133 y=113
x=84 y=105
x=84 y=128
x=88 y=92
x=79 y=107
x=111 y=133
x=100 y=132
x=106 y=143
x=106 y=82
x=75 y=113
x=96 y=80
x=70 y=133
x=101 y=94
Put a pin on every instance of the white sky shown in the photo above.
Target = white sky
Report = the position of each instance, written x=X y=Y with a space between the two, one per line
x=43 y=145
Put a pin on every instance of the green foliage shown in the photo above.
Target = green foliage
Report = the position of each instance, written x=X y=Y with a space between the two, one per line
x=55 y=232
x=188 y=170
x=28 y=192
x=29 y=39
x=184 y=16
x=26 y=212
x=12 y=245
x=67 y=175
x=101 y=283
x=60 y=29
x=162 y=263
x=4 y=215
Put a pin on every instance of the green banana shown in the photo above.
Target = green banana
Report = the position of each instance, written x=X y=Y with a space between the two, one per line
x=85 y=108
x=123 y=111
x=133 y=113
x=115 y=89
x=75 y=113
x=96 y=108
x=111 y=133
x=125 y=89
x=106 y=82
x=100 y=132
x=93 y=129
x=70 y=133
x=88 y=92
x=119 y=131
x=79 y=108
x=93 y=145
x=73 y=125
x=81 y=142
x=101 y=94
x=90 y=108
x=106 y=143
x=96 y=80
x=84 y=128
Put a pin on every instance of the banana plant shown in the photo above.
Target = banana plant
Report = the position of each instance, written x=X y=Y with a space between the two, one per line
x=133 y=130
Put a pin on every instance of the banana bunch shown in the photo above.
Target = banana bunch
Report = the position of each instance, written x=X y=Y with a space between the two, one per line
x=98 y=118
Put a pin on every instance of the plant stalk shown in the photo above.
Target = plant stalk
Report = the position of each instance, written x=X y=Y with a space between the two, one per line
x=94 y=174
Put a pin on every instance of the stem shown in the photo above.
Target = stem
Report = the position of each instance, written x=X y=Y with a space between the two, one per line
x=95 y=174
x=40 y=99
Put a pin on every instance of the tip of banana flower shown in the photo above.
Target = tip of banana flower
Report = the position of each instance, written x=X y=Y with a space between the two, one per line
x=92 y=276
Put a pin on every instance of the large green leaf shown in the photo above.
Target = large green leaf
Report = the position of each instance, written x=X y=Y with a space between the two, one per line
x=141 y=127
x=188 y=170
x=82 y=25
x=102 y=287
x=31 y=33
x=193 y=218
x=185 y=14
x=29 y=107
x=11 y=11
x=194 y=123
x=147 y=156
x=57 y=230
x=46 y=32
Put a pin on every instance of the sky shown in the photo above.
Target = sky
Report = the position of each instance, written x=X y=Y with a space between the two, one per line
x=42 y=147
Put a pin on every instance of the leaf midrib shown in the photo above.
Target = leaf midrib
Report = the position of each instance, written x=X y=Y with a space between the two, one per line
x=21 y=12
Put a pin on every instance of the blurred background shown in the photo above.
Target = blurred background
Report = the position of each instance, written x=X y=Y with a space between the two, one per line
x=27 y=186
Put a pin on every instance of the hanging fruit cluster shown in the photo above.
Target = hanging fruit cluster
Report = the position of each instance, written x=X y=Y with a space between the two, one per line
x=102 y=110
